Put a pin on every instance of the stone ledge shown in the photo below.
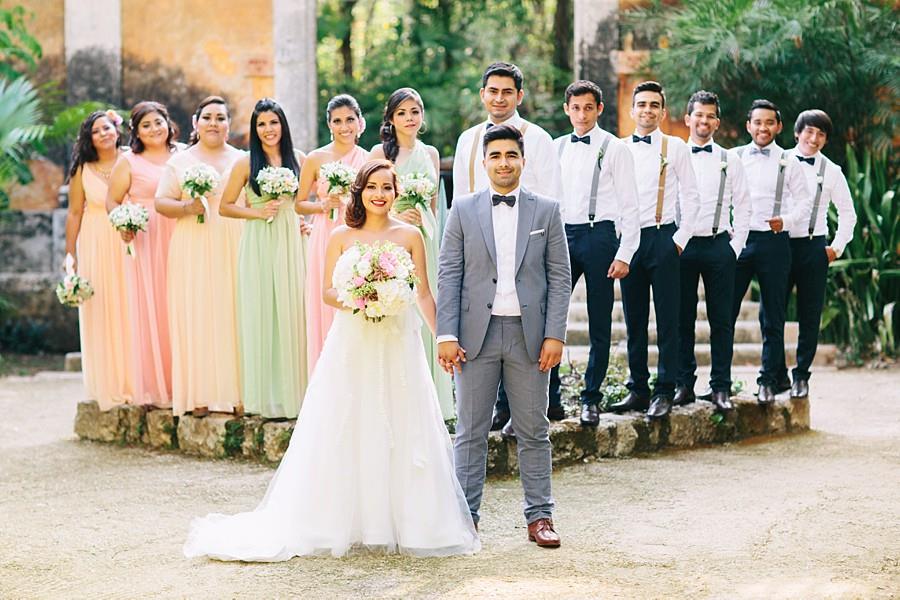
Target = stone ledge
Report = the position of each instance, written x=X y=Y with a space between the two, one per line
x=617 y=436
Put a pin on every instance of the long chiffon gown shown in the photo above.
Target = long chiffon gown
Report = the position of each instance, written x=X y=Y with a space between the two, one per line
x=419 y=162
x=369 y=465
x=318 y=314
x=103 y=321
x=202 y=278
x=271 y=277
x=146 y=274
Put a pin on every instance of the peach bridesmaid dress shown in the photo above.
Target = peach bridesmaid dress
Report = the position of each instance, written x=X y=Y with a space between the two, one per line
x=318 y=314
x=103 y=321
x=146 y=280
x=201 y=297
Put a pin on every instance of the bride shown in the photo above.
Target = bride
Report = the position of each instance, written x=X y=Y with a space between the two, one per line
x=370 y=463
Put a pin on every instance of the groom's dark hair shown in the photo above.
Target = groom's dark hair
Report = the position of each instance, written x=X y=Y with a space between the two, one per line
x=503 y=132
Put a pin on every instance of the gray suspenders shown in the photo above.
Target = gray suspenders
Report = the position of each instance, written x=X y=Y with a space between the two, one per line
x=779 y=184
x=815 y=209
x=598 y=165
x=722 y=177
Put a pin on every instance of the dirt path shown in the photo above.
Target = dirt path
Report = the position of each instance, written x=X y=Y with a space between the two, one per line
x=810 y=516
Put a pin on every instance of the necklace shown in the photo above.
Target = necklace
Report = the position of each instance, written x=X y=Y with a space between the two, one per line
x=104 y=173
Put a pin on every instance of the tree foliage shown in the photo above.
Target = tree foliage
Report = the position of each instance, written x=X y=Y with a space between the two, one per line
x=18 y=48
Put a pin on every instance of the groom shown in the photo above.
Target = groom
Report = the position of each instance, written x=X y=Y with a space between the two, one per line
x=503 y=297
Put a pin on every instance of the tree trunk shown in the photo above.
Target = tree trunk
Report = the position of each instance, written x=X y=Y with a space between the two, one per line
x=562 y=34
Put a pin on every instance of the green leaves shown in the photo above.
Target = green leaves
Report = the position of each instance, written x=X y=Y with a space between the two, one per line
x=18 y=48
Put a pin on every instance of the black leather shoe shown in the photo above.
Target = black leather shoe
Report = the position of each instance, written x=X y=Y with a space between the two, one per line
x=590 y=415
x=706 y=395
x=630 y=402
x=765 y=395
x=683 y=395
x=556 y=413
x=721 y=401
x=500 y=418
x=782 y=385
x=660 y=406
x=800 y=389
x=508 y=433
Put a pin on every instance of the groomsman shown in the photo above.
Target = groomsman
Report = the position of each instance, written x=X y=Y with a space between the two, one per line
x=810 y=253
x=502 y=91
x=712 y=252
x=779 y=201
x=598 y=192
x=663 y=168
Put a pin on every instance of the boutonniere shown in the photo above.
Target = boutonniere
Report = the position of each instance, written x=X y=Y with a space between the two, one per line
x=599 y=155
x=723 y=166
x=663 y=163
x=782 y=162
x=820 y=179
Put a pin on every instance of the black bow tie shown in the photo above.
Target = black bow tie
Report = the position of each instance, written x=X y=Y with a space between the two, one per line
x=696 y=149
x=489 y=125
x=586 y=139
x=508 y=200
x=810 y=161
x=637 y=138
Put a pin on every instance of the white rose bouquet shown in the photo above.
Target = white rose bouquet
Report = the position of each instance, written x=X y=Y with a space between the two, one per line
x=339 y=178
x=416 y=191
x=129 y=217
x=73 y=290
x=275 y=182
x=198 y=181
x=376 y=279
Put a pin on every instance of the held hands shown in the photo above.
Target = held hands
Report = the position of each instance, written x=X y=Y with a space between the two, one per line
x=305 y=228
x=451 y=356
x=551 y=354
x=332 y=201
x=269 y=210
x=194 y=207
x=618 y=269
x=776 y=224
x=410 y=216
x=127 y=236
x=678 y=249
x=831 y=254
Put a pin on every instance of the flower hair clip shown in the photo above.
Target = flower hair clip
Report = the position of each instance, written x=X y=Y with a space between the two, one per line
x=114 y=117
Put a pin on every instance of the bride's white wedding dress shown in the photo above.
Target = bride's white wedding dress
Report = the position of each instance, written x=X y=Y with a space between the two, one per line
x=369 y=464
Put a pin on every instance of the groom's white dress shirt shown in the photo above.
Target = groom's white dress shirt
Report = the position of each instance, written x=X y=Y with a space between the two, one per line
x=506 y=222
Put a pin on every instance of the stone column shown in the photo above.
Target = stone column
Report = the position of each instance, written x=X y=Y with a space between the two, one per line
x=296 y=86
x=93 y=43
x=596 y=38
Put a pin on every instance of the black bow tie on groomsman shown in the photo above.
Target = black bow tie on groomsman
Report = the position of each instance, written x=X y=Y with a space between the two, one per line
x=810 y=161
x=638 y=138
x=508 y=200
x=585 y=140
x=696 y=149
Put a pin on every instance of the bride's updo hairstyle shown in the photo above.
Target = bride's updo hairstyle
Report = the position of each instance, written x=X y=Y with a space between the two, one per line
x=355 y=215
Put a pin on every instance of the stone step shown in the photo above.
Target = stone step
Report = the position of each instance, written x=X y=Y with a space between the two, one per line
x=73 y=362
x=744 y=332
x=579 y=294
x=578 y=311
x=745 y=354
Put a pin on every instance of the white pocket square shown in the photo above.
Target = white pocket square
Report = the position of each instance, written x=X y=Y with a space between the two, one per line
x=537 y=232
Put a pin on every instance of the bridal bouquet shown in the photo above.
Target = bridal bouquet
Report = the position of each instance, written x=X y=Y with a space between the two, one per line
x=416 y=191
x=339 y=178
x=198 y=181
x=73 y=290
x=129 y=217
x=376 y=279
x=275 y=182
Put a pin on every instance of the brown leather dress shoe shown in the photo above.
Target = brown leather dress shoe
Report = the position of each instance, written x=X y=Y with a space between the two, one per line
x=542 y=533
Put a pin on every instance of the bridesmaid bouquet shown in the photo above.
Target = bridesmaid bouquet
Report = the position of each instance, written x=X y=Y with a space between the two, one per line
x=129 y=217
x=275 y=182
x=73 y=290
x=339 y=177
x=376 y=279
x=198 y=181
x=416 y=191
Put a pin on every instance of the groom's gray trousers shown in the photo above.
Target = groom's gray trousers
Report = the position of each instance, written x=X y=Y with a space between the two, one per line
x=503 y=357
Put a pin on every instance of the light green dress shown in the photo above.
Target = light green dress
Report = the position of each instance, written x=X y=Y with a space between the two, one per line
x=271 y=312
x=420 y=162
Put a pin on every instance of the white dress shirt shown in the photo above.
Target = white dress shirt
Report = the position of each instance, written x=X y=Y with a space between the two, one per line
x=735 y=201
x=617 y=199
x=834 y=190
x=680 y=182
x=762 y=177
x=506 y=224
x=540 y=174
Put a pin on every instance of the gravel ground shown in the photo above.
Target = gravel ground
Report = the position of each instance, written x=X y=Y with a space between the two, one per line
x=807 y=516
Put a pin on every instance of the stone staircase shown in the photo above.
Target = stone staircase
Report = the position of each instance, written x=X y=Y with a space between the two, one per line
x=747 y=336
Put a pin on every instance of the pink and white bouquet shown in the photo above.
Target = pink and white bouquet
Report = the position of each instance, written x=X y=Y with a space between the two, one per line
x=199 y=180
x=339 y=178
x=73 y=290
x=416 y=191
x=376 y=279
x=275 y=182
x=129 y=217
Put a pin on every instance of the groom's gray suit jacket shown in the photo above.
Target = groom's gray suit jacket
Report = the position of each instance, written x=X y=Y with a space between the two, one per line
x=467 y=271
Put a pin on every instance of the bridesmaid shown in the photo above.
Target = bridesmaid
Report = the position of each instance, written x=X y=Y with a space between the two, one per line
x=202 y=272
x=137 y=174
x=271 y=273
x=404 y=117
x=346 y=123
x=103 y=321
